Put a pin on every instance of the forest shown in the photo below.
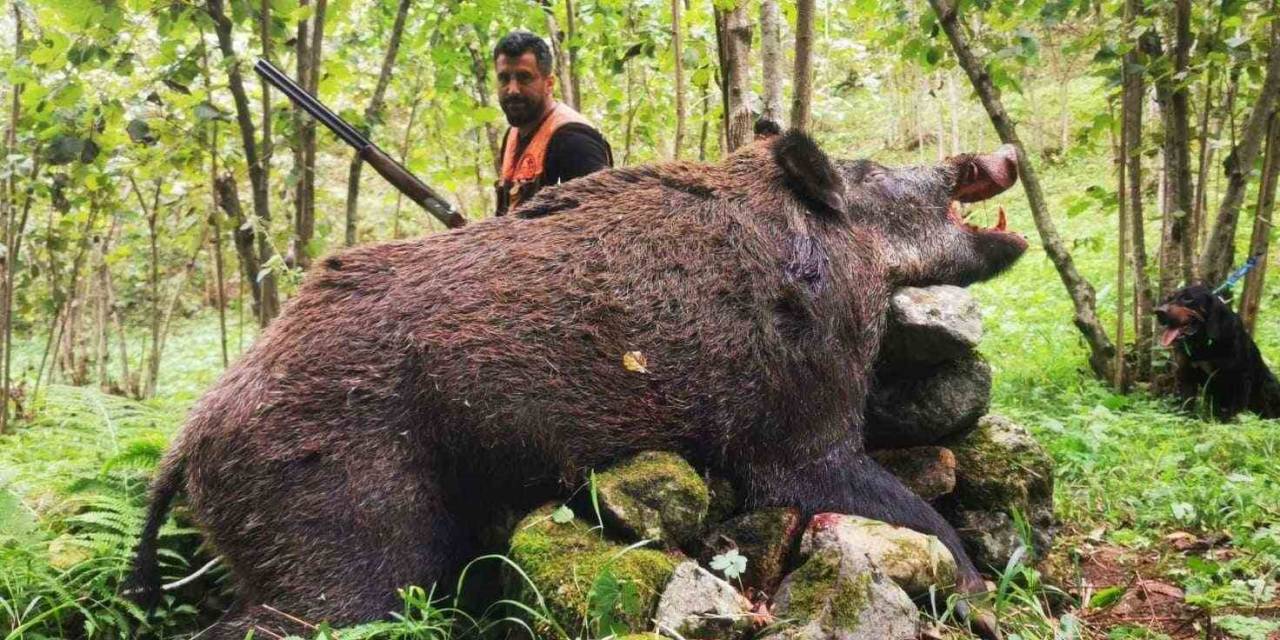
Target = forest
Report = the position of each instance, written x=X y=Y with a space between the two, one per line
x=160 y=206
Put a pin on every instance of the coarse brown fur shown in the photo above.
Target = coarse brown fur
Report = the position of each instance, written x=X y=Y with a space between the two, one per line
x=412 y=387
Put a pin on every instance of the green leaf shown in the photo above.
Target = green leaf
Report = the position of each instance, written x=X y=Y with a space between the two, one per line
x=562 y=515
x=731 y=563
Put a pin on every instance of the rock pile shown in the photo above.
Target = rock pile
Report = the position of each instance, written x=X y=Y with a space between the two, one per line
x=708 y=572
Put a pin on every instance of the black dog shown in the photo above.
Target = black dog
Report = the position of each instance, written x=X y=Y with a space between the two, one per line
x=1215 y=357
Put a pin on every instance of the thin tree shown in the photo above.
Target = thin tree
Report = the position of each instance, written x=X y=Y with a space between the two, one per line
x=372 y=116
x=13 y=229
x=1118 y=372
x=1102 y=351
x=308 y=54
x=268 y=299
x=570 y=20
x=736 y=65
x=1131 y=117
x=1260 y=239
x=677 y=45
x=802 y=92
x=771 y=59
x=564 y=78
x=1219 y=252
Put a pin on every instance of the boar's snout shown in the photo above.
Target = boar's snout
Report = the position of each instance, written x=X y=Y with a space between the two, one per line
x=982 y=176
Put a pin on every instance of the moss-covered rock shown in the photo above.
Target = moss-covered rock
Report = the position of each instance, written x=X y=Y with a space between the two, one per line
x=654 y=495
x=825 y=600
x=1001 y=469
x=568 y=561
x=763 y=537
x=928 y=471
x=911 y=559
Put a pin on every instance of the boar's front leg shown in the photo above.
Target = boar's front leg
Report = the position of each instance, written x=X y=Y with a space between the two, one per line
x=846 y=480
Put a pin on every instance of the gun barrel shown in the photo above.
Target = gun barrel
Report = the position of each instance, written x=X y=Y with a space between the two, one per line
x=393 y=171
x=284 y=83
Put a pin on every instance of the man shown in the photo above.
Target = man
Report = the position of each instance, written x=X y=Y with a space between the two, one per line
x=548 y=142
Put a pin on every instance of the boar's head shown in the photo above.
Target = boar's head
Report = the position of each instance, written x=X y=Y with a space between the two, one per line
x=917 y=209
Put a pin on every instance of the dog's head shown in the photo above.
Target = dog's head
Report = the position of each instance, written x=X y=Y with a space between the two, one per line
x=1193 y=315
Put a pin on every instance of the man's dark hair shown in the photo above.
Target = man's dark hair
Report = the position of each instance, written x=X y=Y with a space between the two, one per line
x=516 y=43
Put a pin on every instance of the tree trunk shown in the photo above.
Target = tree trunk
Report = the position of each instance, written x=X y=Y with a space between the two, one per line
x=801 y=99
x=771 y=59
x=1082 y=294
x=564 y=78
x=268 y=299
x=1118 y=155
x=706 y=122
x=305 y=152
x=229 y=200
x=1220 y=250
x=480 y=73
x=1178 y=143
x=737 y=66
x=677 y=38
x=12 y=231
x=1131 y=115
x=372 y=116
x=570 y=20
x=404 y=160
x=215 y=222
x=1198 y=199
x=1260 y=240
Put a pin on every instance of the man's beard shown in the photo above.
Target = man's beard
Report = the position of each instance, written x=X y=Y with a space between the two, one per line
x=520 y=111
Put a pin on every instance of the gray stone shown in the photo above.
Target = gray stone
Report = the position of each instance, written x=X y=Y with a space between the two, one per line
x=824 y=600
x=990 y=537
x=928 y=471
x=1001 y=469
x=696 y=604
x=654 y=495
x=930 y=325
x=913 y=560
x=922 y=408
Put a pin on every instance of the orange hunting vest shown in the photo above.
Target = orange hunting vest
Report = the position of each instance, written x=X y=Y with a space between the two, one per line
x=522 y=176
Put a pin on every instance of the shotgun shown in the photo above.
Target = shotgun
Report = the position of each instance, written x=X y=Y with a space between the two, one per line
x=388 y=167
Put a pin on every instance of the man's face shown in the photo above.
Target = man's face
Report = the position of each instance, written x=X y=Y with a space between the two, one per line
x=523 y=91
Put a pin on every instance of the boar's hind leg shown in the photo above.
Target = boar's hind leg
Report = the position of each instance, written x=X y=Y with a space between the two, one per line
x=341 y=559
x=879 y=495
x=846 y=480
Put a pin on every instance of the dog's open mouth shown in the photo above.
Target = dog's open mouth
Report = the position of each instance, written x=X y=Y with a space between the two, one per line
x=1178 y=322
x=1171 y=335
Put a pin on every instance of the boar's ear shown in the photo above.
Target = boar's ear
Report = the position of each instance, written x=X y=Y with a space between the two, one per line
x=809 y=173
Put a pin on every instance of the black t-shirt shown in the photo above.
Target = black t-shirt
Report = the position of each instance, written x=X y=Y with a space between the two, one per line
x=573 y=151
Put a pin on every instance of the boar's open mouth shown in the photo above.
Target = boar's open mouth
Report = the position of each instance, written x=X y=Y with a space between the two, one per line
x=980 y=177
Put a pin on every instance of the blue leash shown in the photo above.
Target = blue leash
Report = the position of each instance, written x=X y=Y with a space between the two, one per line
x=1237 y=274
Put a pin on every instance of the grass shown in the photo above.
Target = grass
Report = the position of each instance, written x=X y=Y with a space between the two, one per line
x=1131 y=471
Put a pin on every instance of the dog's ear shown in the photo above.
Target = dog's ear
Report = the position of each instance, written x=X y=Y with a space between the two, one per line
x=809 y=172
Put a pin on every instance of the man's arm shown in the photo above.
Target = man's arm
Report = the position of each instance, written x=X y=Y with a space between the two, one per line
x=575 y=151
